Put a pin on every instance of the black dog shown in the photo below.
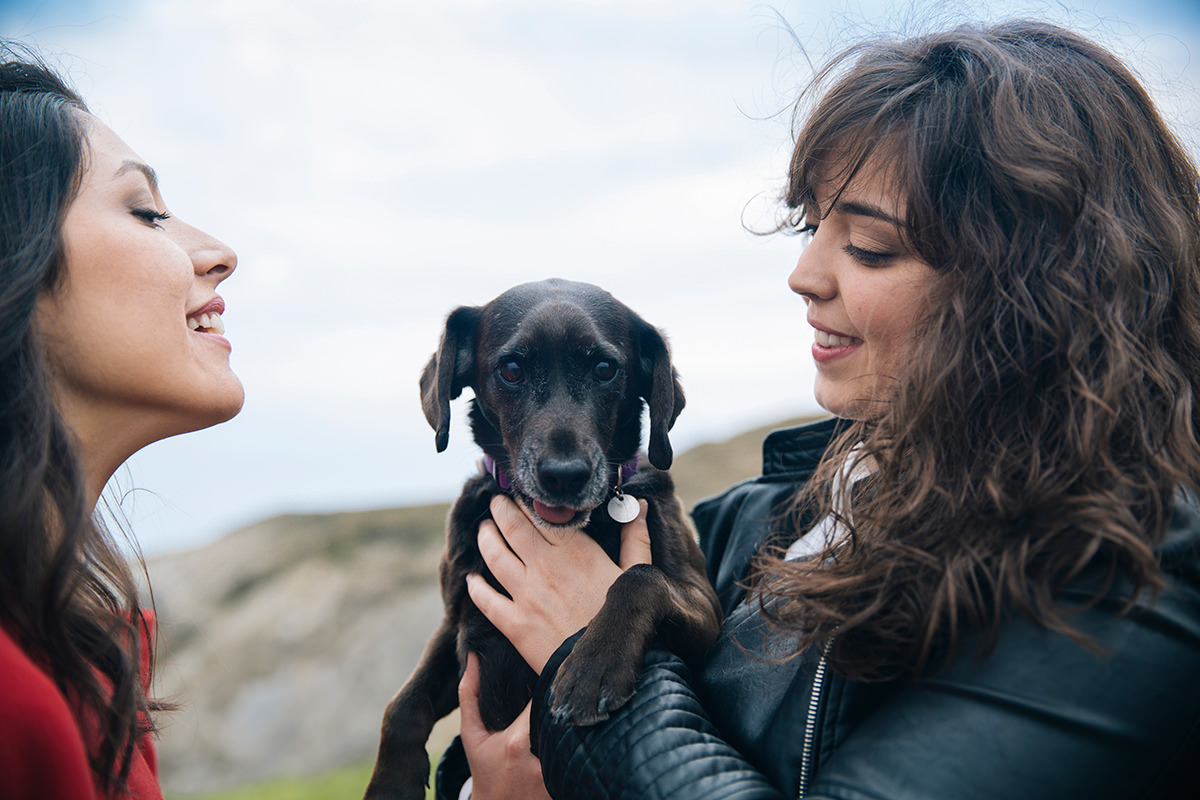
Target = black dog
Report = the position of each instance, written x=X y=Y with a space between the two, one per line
x=561 y=373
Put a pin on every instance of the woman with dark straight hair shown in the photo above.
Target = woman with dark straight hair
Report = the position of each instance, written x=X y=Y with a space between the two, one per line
x=109 y=340
x=981 y=578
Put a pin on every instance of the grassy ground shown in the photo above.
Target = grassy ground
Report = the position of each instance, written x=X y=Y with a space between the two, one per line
x=347 y=783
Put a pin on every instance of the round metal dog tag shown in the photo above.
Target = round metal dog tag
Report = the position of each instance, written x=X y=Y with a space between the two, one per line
x=623 y=508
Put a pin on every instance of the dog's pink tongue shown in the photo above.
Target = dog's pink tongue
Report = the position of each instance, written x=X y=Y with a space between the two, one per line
x=555 y=515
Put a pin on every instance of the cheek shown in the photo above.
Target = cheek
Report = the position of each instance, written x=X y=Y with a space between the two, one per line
x=894 y=351
x=505 y=411
x=135 y=296
x=58 y=337
x=130 y=273
x=889 y=311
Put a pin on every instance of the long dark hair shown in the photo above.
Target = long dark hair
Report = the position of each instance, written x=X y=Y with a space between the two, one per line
x=1047 y=413
x=65 y=589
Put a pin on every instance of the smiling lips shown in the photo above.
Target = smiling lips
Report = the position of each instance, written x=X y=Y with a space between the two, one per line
x=207 y=323
x=828 y=346
x=827 y=339
x=207 y=318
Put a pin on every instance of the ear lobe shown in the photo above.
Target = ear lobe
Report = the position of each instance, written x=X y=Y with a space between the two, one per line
x=664 y=394
x=449 y=369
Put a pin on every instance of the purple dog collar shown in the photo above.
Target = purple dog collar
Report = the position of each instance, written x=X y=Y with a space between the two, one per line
x=628 y=469
x=489 y=466
x=619 y=477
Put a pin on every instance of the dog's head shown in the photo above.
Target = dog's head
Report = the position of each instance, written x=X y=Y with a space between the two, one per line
x=561 y=372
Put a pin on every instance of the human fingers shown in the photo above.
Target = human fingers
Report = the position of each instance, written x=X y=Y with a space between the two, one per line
x=527 y=782
x=538 y=548
x=506 y=565
x=502 y=766
x=635 y=539
x=500 y=610
x=468 y=699
x=518 y=530
x=508 y=769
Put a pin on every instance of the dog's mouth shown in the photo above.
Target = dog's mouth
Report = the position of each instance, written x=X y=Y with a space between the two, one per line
x=548 y=516
x=555 y=515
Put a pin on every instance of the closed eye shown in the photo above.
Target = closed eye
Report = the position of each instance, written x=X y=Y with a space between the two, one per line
x=868 y=258
x=150 y=215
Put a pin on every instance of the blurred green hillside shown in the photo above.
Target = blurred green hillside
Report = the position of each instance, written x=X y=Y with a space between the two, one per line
x=346 y=783
x=283 y=641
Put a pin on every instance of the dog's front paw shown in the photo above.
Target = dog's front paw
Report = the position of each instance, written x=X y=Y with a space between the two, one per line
x=590 y=686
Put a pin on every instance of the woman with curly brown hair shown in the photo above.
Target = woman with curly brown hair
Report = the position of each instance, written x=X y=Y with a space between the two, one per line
x=982 y=577
x=110 y=339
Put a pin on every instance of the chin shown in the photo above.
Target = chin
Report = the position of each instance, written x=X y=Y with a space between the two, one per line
x=231 y=404
x=846 y=403
x=835 y=403
x=219 y=406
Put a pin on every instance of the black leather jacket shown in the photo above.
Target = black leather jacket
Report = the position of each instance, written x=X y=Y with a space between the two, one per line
x=1041 y=716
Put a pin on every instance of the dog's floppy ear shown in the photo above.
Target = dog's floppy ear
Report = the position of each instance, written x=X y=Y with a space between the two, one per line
x=450 y=369
x=659 y=385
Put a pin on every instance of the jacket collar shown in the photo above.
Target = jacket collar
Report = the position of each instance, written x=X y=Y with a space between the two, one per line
x=795 y=452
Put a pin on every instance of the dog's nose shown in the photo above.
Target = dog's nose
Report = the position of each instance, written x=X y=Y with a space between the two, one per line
x=563 y=476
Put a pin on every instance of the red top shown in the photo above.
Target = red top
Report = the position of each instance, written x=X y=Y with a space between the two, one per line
x=43 y=747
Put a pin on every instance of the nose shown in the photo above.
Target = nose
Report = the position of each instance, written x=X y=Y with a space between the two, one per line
x=211 y=257
x=813 y=277
x=563 y=476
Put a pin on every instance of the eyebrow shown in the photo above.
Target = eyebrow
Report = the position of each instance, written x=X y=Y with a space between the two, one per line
x=129 y=165
x=860 y=209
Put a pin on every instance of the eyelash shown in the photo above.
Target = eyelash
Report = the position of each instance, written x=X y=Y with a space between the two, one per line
x=150 y=215
x=868 y=258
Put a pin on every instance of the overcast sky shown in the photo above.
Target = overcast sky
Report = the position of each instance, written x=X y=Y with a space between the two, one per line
x=377 y=163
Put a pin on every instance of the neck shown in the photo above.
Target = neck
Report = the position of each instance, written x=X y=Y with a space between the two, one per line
x=102 y=443
x=98 y=467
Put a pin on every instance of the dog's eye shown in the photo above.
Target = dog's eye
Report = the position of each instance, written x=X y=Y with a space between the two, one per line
x=511 y=372
x=604 y=371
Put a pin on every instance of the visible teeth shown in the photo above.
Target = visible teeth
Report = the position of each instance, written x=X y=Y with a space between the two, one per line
x=209 y=322
x=830 y=340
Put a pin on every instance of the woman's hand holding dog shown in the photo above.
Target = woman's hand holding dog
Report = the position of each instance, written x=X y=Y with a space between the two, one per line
x=501 y=764
x=557 y=582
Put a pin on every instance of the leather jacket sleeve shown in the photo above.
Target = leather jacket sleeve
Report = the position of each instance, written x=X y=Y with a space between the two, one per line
x=659 y=745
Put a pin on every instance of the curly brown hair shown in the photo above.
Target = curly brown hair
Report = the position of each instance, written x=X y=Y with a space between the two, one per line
x=1046 y=417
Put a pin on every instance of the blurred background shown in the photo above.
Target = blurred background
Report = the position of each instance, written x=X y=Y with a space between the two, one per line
x=377 y=163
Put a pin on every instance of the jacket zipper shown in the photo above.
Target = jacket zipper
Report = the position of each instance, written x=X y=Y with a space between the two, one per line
x=810 y=723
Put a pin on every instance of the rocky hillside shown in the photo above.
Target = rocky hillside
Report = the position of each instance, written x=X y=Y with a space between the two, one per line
x=283 y=641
